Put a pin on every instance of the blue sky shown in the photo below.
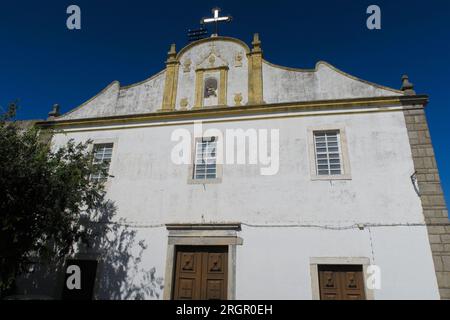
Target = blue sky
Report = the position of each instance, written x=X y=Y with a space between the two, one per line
x=42 y=62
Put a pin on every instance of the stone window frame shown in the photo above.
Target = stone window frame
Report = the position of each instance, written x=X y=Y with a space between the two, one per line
x=344 y=153
x=114 y=142
x=202 y=235
x=219 y=166
x=314 y=263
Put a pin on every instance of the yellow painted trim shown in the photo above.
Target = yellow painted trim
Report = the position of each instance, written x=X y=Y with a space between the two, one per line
x=223 y=87
x=173 y=100
x=212 y=69
x=199 y=75
x=250 y=93
x=170 y=87
x=199 y=85
x=243 y=110
x=238 y=120
x=255 y=78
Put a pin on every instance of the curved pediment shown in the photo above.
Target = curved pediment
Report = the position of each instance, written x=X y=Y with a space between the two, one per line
x=225 y=72
x=325 y=82
x=210 y=55
x=117 y=100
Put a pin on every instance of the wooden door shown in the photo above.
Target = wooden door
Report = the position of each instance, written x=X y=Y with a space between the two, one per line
x=341 y=282
x=201 y=273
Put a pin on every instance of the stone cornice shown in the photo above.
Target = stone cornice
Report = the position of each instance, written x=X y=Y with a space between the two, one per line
x=261 y=109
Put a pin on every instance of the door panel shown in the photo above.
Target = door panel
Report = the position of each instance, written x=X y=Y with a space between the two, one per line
x=329 y=285
x=214 y=275
x=201 y=273
x=341 y=282
x=187 y=286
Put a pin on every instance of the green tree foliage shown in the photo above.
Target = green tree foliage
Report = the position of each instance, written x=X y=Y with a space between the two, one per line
x=45 y=195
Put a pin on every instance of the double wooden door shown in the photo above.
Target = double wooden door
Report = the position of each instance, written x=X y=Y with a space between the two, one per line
x=201 y=273
x=341 y=282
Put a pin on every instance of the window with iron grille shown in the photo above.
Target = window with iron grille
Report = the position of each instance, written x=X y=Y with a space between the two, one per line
x=205 y=166
x=328 y=153
x=102 y=155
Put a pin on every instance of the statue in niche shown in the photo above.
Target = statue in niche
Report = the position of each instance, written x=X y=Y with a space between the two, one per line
x=210 y=87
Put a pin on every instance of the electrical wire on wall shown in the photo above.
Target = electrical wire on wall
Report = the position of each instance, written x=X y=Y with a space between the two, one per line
x=371 y=246
x=354 y=226
x=359 y=226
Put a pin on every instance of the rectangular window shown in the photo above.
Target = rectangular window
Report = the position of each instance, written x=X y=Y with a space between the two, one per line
x=205 y=166
x=328 y=153
x=102 y=155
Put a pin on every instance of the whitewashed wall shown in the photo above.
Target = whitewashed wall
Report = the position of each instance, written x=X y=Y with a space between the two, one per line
x=274 y=263
x=143 y=97
x=149 y=190
x=323 y=83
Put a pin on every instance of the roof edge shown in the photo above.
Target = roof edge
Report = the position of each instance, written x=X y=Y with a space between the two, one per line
x=402 y=100
x=91 y=99
x=329 y=65
x=209 y=39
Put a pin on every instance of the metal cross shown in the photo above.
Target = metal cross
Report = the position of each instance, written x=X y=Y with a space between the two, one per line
x=216 y=19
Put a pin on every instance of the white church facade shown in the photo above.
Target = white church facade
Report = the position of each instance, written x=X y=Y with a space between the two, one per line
x=336 y=195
